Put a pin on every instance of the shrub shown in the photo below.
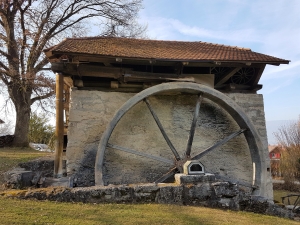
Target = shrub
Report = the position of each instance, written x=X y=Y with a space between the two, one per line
x=39 y=129
x=289 y=138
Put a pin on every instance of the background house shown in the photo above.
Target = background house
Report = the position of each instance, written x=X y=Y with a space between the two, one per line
x=275 y=152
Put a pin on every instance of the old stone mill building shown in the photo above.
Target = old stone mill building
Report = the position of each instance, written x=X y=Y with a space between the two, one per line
x=142 y=111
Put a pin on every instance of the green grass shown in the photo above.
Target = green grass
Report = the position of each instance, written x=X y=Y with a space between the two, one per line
x=15 y=211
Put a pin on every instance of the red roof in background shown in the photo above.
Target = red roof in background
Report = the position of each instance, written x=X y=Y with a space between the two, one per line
x=157 y=49
x=275 y=148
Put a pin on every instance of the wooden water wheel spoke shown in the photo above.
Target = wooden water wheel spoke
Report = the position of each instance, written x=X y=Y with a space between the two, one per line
x=219 y=143
x=193 y=127
x=177 y=157
x=243 y=76
x=158 y=158
x=166 y=175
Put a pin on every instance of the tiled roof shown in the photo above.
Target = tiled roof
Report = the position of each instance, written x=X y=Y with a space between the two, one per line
x=156 y=49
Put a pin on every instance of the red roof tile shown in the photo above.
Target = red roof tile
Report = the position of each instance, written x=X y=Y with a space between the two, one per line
x=156 y=49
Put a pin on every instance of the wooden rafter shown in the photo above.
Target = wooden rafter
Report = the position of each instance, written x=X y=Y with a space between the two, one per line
x=227 y=76
x=259 y=73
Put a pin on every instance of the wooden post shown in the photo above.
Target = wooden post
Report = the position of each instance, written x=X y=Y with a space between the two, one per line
x=59 y=129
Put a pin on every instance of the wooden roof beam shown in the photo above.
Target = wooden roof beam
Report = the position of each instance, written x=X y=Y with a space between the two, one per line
x=258 y=75
x=240 y=87
x=227 y=76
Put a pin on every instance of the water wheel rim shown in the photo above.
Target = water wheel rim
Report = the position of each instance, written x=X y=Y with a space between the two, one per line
x=258 y=156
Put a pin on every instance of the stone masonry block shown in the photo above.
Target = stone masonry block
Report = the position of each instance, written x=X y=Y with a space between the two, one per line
x=224 y=189
x=18 y=178
x=193 y=179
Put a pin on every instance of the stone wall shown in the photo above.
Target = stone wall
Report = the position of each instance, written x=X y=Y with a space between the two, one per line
x=91 y=111
x=214 y=194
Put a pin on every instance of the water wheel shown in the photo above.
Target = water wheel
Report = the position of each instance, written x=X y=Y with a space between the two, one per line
x=175 y=163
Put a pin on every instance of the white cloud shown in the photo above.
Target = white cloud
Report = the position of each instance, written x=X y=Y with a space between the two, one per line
x=165 y=28
x=290 y=70
x=271 y=88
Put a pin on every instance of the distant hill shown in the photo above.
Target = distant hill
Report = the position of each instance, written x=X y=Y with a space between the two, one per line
x=273 y=126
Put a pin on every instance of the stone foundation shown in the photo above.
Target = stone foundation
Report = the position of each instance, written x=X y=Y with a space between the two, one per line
x=210 y=194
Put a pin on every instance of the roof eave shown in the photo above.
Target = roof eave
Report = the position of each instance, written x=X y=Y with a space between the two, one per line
x=52 y=54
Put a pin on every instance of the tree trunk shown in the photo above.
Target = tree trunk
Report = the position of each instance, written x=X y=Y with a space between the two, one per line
x=21 y=98
x=22 y=125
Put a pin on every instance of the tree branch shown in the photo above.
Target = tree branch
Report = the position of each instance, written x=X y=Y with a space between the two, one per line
x=42 y=97
x=4 y=66
x=3 y=78
x=41 y=64
x=105 y=9
x=35 y=53
x=3 y=37
x=24 y=34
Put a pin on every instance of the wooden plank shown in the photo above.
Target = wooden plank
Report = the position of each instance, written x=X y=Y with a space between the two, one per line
x=131 y=151
x=59 y=129
x=227 y=76
x=166 y=176
x=243 y=88
x=259 y=74
x=206 y=151
x=162 y=130
x=127 y=74
x=193 y=126
x=88 y=70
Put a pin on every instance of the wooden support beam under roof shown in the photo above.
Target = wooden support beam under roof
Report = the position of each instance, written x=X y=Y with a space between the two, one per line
x=59 y=128
x=88 y=70
x=240 y=87
x=227 y=76
x=259 y=74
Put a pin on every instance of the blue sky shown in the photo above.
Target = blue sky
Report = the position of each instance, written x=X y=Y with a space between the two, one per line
x=270 y=26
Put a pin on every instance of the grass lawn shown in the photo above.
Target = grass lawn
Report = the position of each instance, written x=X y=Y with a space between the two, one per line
x=14 y=211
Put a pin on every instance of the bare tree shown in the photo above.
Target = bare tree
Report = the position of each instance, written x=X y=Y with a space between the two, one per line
x=288 y=138
x=29 y=26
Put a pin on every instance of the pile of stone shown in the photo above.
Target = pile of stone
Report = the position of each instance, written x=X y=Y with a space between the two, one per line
x=29 y=174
